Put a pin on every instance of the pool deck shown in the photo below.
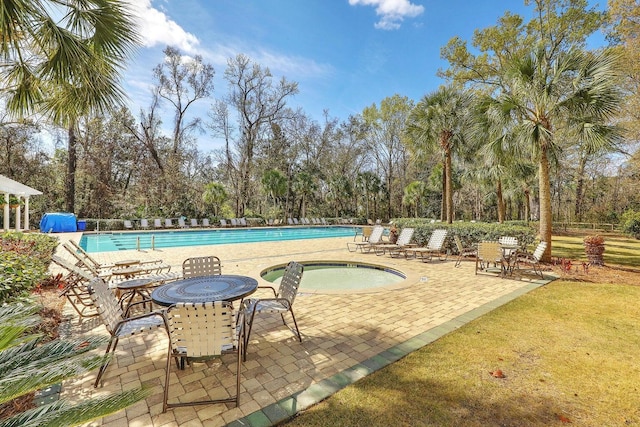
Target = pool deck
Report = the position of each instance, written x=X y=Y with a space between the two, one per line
x=346 y=336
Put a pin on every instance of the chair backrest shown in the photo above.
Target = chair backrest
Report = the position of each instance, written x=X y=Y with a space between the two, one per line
x=290 y=281
x=194 y=222
x=205 y=222
x=458 y=243
x=106 y=304
x=201 y=266
x=181 y=223
x=376 y=234
x=234 y=222
x=243 y=221
x=436 y=241
x=405 y=236
x=157 y=223
x=537 y=254
x=508 y=240
x=223 y=223
x=489 y=251
x=128 y=223
x=168 y=223
x=84 y=254
x=203 y=329
x=144 y=223
x=73 y=269
x=295 y=221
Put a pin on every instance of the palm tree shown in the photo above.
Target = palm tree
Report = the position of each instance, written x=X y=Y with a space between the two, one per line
x=574 y=95
x=214 y=195
x=440 y=121
x=274 y=183
x=63 y=60
x=26 y=365
x=413 y=193
x=304 y=186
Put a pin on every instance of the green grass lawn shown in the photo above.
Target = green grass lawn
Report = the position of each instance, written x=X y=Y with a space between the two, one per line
x=568 y=352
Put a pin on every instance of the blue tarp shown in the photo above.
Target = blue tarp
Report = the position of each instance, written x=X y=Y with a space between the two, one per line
x=58 y=222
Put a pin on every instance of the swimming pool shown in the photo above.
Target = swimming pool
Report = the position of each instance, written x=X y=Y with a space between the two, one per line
x=332 y=276
x=109 y=242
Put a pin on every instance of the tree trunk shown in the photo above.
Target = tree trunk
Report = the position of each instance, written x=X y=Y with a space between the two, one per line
x=546 y=220
x=448 y=186
x=501 y=208
x=580 y=187
x=527 y=205
x=70 y=181
x=443 y=202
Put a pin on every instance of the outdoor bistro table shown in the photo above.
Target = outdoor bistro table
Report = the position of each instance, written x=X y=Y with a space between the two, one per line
x=508 y=256
x=225 y=287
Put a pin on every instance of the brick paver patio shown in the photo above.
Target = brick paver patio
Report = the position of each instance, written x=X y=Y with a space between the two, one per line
x=345 y=335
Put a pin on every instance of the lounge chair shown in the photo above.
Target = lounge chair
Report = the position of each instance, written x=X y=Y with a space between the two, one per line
x=281 y=302
x=205 y=222
x=144 y=224
x=168 y=223
x=400 y=246
x=128 y=225
x=295 y=221
x=464 y=252
x=243 y=222
x=289 y=221
x=223 y=223
x=194 y=222
x=323 y=221
x=435 y=246
x=201 y=331
x=157 y=223
x=234 y=222
x=374 y=239
x=75 y=289
x=181 y=223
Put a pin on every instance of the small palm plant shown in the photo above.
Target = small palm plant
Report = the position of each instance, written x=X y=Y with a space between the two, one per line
x=26 y=365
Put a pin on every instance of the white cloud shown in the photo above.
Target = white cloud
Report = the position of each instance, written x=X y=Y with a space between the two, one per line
x=156 y=28
x=391 y=12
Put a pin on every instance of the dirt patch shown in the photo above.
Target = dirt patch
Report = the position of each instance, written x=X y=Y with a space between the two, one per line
x=579 y=272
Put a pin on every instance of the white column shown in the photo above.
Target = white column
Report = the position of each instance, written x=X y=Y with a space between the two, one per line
x=6 y=212
x=18 y=228
x=26 y=213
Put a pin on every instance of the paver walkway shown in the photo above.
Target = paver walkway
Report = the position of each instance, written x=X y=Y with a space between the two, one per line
x=345 y=336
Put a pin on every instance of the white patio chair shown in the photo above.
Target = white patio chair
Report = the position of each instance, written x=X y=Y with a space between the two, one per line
x=199 y=332
x=201 y=266
x=116 y=321
x=281 y=302
x=435 y=246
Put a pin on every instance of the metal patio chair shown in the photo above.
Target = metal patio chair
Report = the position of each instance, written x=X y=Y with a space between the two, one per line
x=199 y=332
x=532 y=259
x=464 y=252
x=489 y=253
x=281 y=302
x=201 y=266
x=116 y=321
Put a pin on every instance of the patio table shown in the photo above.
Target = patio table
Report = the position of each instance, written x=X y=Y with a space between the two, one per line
x=224 y=287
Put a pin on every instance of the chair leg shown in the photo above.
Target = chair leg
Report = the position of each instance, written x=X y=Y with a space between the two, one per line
x=296 y=325
x=104 y=366
x=165 y=397
x=249 y=325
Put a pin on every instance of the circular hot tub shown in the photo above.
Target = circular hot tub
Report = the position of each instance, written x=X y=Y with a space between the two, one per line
x=339 y=276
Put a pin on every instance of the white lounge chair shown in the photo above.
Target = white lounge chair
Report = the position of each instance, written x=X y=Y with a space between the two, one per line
x=435 y=246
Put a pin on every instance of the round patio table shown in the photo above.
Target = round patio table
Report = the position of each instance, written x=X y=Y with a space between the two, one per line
x=224 y=287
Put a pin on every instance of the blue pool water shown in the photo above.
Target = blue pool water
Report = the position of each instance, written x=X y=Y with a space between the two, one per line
x=108 y=242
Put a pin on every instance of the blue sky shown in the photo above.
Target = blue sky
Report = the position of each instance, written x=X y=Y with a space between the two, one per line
x=344 y=54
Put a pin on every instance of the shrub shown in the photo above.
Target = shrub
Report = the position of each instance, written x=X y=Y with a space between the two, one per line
x=24 y=261
x=631 y=223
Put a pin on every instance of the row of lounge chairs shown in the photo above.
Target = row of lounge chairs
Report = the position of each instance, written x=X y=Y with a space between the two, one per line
x=182 y=223
x=307 y=221
x=505 y=252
